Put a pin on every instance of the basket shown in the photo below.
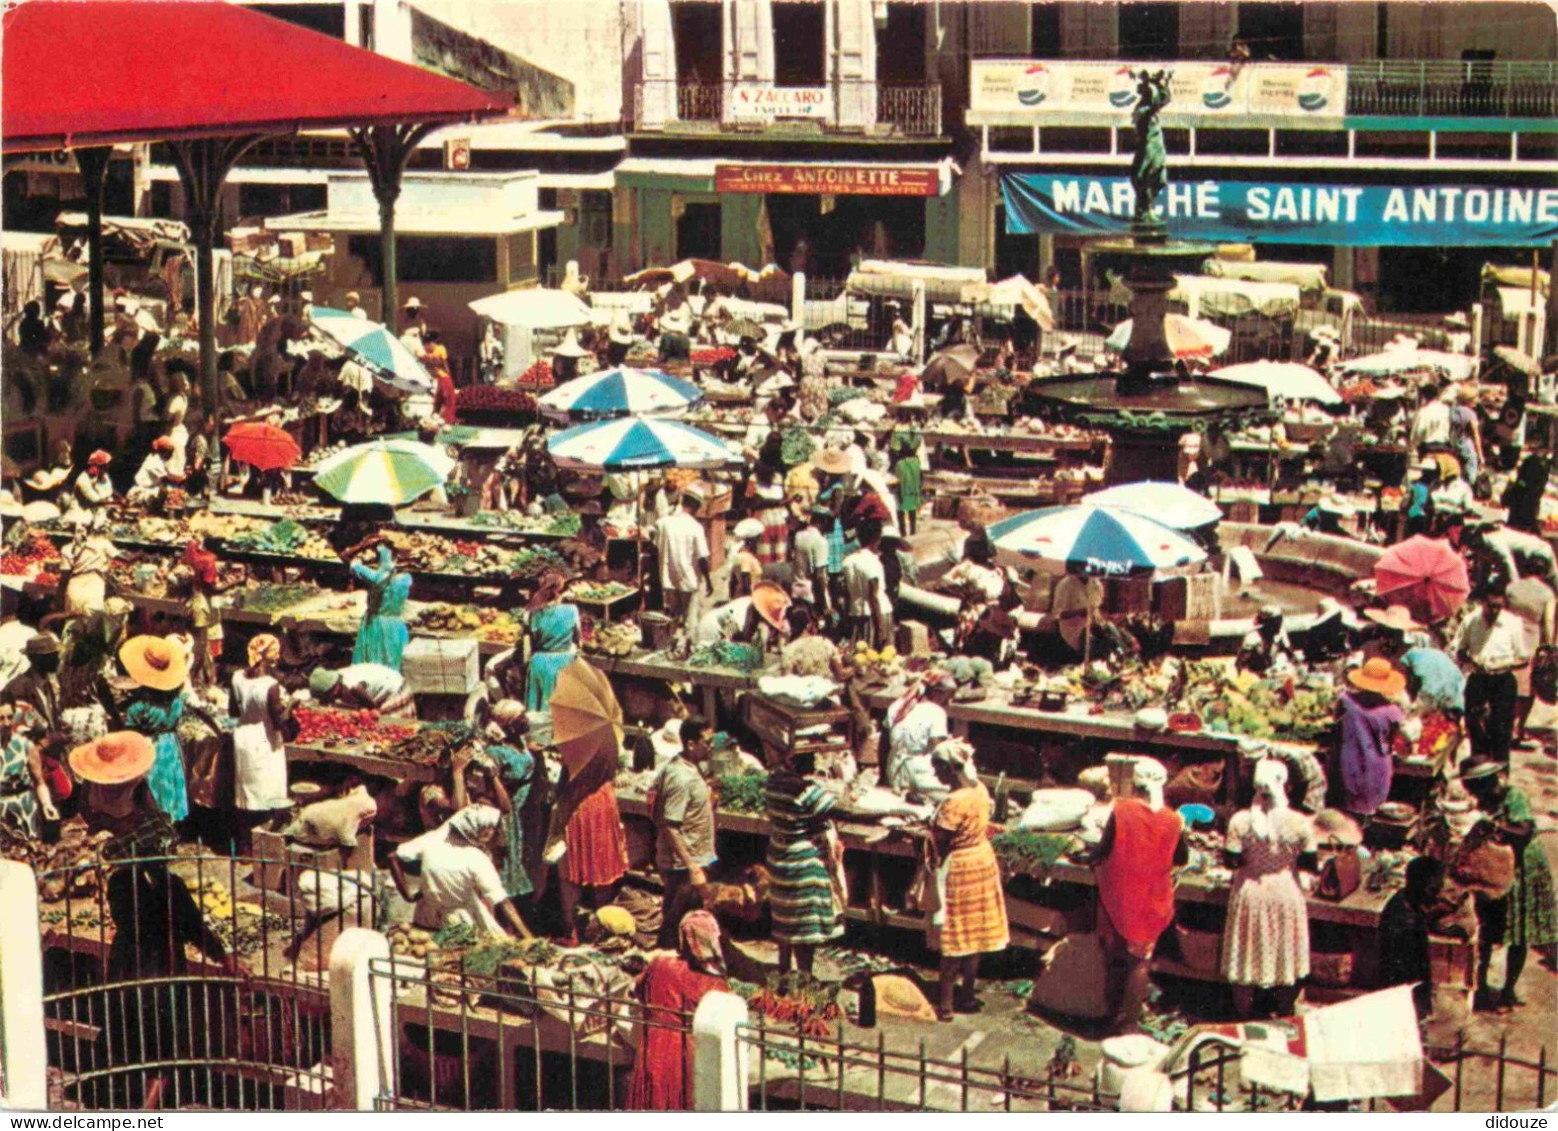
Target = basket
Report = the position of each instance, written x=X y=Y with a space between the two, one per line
x=441 y=666
x=1327 y=969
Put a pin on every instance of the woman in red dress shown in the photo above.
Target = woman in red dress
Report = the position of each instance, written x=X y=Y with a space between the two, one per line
x=671 y=989
x=596 y=854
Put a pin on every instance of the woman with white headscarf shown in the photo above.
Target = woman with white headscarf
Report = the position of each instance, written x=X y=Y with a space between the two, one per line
x=460 y=883
x=1266 y=938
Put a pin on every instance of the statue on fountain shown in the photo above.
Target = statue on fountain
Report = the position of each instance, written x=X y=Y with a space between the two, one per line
x=1149 y=168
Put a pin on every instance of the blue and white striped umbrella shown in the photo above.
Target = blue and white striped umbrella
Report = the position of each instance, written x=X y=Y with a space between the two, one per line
x=620 y=392
x=1092 y=540
x=374 y=346
x=623 y=445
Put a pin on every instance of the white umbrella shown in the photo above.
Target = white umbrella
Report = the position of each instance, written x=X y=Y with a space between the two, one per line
x=1172 y=504
x=1286 y=379
x=373 y=345
x=537 y=308
x=1408 y=359
x=1094 y=540
x=1186 y=336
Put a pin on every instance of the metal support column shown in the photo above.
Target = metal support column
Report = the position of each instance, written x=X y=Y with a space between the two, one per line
x=384 y=151
x=93 y=164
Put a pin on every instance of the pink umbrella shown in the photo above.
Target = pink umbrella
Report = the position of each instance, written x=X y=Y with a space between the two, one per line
x=1426 y=575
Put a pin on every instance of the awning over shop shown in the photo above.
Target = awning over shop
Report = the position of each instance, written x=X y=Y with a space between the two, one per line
x=890 y=279
x=228 y=70
x=1231 y=298
x=1304 y=276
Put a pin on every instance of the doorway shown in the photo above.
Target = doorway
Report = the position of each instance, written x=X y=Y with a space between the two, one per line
x=697 y=232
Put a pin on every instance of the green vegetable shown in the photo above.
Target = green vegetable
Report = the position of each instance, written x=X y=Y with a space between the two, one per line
x=533 y=561
x=456 y=935
x=283 y=537
x=1023 y=849
x=743 y=793
x=727 y=654
x=274 y=598
x=795 y=446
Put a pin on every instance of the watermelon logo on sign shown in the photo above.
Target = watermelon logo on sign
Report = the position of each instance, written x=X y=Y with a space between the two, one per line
x=1314 y=90
x=1122 y=89
x=1035 y=86
x=1215 y=90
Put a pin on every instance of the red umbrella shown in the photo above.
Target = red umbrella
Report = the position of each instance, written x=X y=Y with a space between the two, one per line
x=1426 y=575
x=263 y=446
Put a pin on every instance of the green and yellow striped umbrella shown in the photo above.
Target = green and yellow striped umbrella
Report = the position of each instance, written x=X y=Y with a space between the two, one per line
x=390 y=472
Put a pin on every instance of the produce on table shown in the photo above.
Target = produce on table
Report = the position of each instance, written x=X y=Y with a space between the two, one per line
x=469 y=620
x=614 y=639
x=874 y=664
x=271 y=599
x=1440 y=736
x=1243 y=704
x=325 y=724
x=287 y=538
x=494 y=398
x=29 y=556
x=538 y=376
x=601 y=591
x=796 y=446
x=741 y=793
x=1023 y=850
x=727 y=654
x=533 y=561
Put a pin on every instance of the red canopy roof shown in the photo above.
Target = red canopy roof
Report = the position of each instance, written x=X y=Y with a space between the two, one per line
x=75 y=74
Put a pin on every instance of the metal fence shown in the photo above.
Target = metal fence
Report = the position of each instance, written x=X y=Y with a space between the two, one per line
x=522 y=1037
x=1446 y=88
x=795 y=1072
x=881 y=109
x=141 y=1010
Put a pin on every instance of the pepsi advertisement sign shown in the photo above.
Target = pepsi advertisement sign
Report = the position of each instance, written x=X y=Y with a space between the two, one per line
x=1261 y=212
x=1200 y=90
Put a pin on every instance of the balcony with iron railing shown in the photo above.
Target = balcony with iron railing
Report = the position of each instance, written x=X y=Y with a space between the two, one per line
x=878 y=110
x=1427 y=88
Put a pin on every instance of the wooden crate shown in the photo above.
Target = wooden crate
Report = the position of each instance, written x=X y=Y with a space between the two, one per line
x=1195 y=597
x=1244 y=512
x=779 y=724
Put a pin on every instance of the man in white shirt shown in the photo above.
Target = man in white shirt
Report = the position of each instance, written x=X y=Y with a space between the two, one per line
x=411 y=336
x=683 y=549
x=865 y=581
x=809 y=559
x=1491 y=643
x=1431 y=425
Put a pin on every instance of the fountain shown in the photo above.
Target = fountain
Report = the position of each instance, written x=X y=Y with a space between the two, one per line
x=1148 y=407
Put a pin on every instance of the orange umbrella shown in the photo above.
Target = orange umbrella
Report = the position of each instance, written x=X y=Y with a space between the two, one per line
x=586 y=717
x=263 y=446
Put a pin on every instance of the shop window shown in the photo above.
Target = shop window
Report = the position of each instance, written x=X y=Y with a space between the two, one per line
x=522 y=256
x=1149 y=29
x=1273 y=30
x=698 y=232
x=800 y=44
x=696 y=30
x=430 y=259
x=1044 y=33
x=328 y=19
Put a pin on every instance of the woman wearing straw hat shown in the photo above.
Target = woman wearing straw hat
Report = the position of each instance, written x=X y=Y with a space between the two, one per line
x=259 y=753
x=1369 y=719
x=159 y=667
x=747 y=619
x=112 y=769
x=565 y=357
x=555 y=633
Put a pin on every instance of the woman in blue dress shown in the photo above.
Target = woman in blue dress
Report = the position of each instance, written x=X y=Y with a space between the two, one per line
x=160 y=667
x=517 y=770
x=554 y=638
x=382 y=637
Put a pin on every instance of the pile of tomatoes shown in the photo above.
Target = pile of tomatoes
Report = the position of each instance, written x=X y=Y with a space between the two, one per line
x=323 y=724
x=712 y=356
x=21 y=561
x=538 y=376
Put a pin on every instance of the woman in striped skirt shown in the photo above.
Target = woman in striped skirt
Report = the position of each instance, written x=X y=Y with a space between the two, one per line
x=804 y=863
x=971 y=919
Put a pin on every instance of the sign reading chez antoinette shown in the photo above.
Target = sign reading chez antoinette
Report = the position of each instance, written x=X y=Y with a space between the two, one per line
x=747 y=103
x=837 y=180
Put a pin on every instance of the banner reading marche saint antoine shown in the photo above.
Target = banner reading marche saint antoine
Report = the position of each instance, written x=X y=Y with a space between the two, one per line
x=1249 y=211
